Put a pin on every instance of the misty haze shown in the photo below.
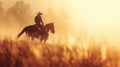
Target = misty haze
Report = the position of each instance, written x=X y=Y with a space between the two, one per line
x=74 y=33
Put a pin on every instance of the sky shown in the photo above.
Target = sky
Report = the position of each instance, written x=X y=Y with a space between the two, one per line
x=100 y=17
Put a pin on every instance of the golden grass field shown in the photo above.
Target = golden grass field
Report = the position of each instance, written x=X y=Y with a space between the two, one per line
x=32 y=54
x=87 y=33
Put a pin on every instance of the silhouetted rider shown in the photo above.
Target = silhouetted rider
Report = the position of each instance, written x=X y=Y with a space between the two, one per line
x=39 y=21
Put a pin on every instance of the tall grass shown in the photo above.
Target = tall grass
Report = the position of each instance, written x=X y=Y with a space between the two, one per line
x=31 y=54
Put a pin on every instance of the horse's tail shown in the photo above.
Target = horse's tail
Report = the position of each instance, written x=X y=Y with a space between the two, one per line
x=21 y=33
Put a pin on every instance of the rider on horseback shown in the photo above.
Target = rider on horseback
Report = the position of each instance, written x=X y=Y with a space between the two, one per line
x=39 y=22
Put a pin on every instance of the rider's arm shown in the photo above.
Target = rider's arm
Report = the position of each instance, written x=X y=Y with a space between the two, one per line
x=41 y=21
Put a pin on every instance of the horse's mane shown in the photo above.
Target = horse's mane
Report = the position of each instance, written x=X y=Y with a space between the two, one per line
x=48 y=24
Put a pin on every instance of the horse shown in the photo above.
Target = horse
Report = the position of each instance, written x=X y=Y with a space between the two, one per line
x=34 y=32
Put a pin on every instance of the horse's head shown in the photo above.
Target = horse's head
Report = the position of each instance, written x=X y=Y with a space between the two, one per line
x=50 y=26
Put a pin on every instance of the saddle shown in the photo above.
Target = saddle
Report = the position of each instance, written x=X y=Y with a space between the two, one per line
x=40 y=28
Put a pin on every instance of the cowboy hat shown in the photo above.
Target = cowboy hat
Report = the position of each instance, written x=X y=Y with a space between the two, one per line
x=40 y=13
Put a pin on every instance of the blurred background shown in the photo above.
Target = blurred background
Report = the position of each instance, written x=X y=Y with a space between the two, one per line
x=87 y=32
x=74 y=19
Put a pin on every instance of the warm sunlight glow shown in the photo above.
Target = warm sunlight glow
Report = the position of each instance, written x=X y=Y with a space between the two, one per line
x=72 y=40
x=60 y=33
x=99 y=18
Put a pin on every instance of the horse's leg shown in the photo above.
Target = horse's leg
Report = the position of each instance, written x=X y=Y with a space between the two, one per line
x=31 y=35
x=41 y=40
x=27 y=37
x=45 y=39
